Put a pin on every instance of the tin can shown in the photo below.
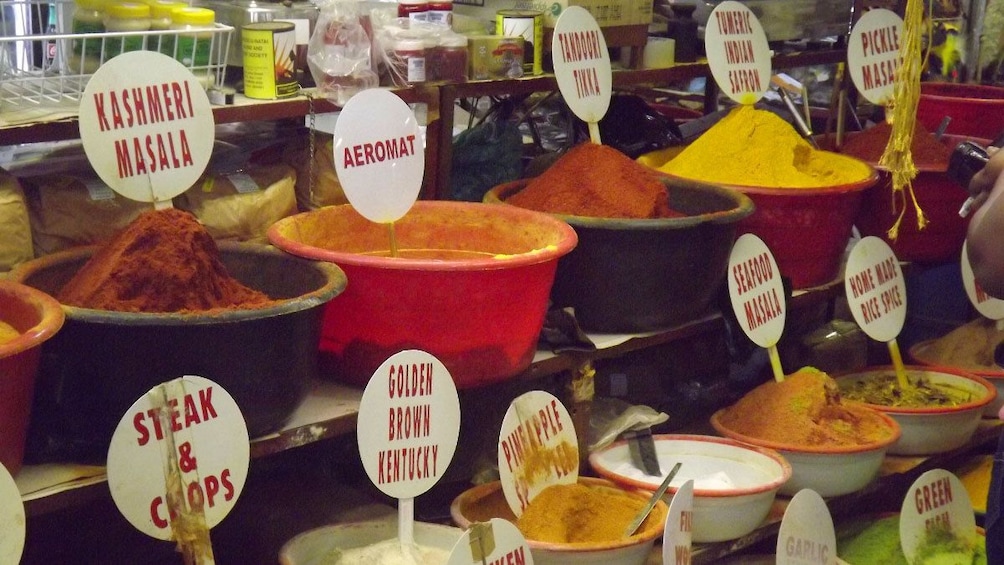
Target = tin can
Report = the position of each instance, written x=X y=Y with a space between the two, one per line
x=528 y=24
x=269 y=60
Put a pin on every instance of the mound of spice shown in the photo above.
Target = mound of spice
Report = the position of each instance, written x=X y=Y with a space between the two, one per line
x=927 y=151
x=596 y=181
x=804 y=410
x=883 y=389
x=754 y=147
x=968 y=347
x=876 y=542
x=163 y=261
x=578 y=513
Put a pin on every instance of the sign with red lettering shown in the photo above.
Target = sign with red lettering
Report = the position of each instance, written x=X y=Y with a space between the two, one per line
x=756 y=290
x=806 y=536
x=187 y=432
x=677 y=534
x=379 y=155
x=873 y=57
x=537 y=448
x=935 y=502
x=12 y=519
x=738 y=53
x=988 y=306
x=147 y=126
x=875 y=288
x=497 y=541
x=409 y=423
x=582 y=64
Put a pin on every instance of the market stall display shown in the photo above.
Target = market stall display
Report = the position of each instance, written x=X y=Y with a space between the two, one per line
x=804 y=419
x=938 y=412
x=29 y=318
x=486 y=501
x=263 y=341
x=652 y=253
x=975 y=109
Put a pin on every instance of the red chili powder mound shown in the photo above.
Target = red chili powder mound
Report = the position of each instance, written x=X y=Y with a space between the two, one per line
x=869 y=145
x=597 y=181
x=164 y=261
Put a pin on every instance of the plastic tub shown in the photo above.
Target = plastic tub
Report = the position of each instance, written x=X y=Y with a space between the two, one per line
x=37 y=317
x=102 y=361
x=470 y=285
x=630 y=275
x=976 y=110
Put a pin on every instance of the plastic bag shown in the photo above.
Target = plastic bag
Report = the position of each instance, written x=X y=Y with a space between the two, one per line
x=611 y=417
x=340 y=52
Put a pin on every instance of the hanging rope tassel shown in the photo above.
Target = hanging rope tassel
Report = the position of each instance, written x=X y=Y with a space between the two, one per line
x=897 y=157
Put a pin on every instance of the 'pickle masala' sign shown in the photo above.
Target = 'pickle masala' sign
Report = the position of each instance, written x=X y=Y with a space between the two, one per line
x=873 y=57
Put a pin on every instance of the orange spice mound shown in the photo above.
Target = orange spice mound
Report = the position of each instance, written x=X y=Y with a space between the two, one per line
x=597 y=181
x=164 y=261
x=577 y=513
x=804 y=410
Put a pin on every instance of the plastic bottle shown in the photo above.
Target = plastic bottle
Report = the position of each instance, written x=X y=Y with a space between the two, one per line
x=414 y=10
x=195 y=35
x=88 y=17
x=125 y=16
x=440 y=12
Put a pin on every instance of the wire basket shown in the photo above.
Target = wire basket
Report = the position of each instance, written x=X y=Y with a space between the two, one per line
x=43 y=64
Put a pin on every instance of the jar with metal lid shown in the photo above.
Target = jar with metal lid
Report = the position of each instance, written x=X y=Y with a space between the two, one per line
x=88 y=17
x=407 y=61
x=195 y=37
x=448 y=61
x=125 y=17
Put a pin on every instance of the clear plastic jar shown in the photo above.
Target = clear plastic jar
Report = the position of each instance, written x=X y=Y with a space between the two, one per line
x=408 y=61
x=440 y=12
x=88 y=17
x=160 y=20
x=449 y=58
x=414 y=10
x=125 y=16
x=195 y=37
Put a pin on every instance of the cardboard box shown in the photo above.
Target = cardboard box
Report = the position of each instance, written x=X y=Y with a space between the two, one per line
x=606 y=12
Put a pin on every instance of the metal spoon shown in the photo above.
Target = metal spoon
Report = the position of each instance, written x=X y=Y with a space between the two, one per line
x=633 y=527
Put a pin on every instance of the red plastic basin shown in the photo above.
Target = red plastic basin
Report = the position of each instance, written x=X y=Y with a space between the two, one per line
x=976 y=110
x=37 y=316
x=470 y=285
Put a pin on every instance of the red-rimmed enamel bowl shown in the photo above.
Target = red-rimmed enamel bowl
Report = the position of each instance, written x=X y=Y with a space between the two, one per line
x=932 y=429
x=827 y=469
x=734 y=484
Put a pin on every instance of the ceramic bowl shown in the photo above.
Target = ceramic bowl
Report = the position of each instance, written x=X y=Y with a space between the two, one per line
x=828 y=470
x=314 y=547
x=933 y=429
x=483 y=502
x=734 y=484
x=925 y=353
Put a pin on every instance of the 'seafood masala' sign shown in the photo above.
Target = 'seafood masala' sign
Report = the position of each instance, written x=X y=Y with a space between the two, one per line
x=147 y=126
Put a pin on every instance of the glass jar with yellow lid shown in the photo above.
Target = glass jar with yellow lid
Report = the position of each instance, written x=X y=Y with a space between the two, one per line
x=126 y=17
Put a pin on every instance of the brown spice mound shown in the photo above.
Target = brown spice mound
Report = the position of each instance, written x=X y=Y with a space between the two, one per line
x=597 y=181
x=804 y=410
x=869 y=145
x=968 y=347
x=577 y=513
x=164 y=261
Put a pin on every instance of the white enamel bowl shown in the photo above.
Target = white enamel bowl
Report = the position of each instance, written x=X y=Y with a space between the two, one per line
x=314 y=547
x=734 y=484
x=933 y=429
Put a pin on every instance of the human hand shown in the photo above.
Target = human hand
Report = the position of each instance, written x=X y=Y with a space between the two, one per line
x=982 y=183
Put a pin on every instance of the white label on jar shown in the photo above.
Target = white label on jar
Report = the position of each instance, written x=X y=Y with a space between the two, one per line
x=98 y=190
x=416 y=69
x=440 y=17
x=243 y=183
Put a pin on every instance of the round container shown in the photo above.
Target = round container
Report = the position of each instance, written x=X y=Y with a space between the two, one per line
x=934 y=429
x=486 y=501
x=470 y=287
x=160 y=20
x=195 y=36
x=830 y=471
x=528 y=24
x=37 y=317
x=939 y=197
x=628 y=276
x=925 y=353
x=269 y=64
x=102 y=361
x=449 y=59
x=314 y=547
x=407 y=59
x=976 y=110
x=88 y=17
x=125 y=16
x=414 y=10
x=734 y=484
x=440 y=12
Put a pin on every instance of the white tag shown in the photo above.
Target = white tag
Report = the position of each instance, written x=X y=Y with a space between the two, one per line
x=582 y=64
x=875 y=289
x=12 y=519
x=243 y=183
x=98 y=190
x=936 y=499
x=873 y=57
x=738 y=52
x=990 y=307
x=679 y=528
x=756 y=290
x=806 y=536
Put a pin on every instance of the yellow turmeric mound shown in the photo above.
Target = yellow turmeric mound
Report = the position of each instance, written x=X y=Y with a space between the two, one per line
x=752 y=147
x=578 y=513
x=804 y=410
